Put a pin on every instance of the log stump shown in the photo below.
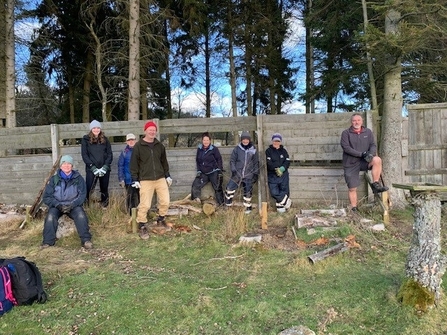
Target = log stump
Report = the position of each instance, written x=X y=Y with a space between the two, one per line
x=425 y=263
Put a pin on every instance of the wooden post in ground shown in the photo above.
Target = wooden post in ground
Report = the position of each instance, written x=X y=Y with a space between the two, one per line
x=134 y=220
x=264 y=215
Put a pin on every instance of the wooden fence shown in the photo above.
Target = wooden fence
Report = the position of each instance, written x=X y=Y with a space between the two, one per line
x=312 y=140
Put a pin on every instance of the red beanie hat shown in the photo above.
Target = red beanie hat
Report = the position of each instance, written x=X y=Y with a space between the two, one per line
x=150 y=124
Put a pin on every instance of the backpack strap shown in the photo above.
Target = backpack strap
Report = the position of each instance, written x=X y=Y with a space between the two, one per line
x=7 y=285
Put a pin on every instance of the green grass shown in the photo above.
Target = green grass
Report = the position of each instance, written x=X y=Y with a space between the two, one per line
x=204 y=282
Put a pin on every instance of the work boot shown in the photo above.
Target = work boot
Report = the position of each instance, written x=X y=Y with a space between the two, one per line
x=88 y=245
x=142 y=232
x=161 y=221
x=377 y=188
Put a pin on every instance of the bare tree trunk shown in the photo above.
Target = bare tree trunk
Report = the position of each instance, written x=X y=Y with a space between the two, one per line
x=86 y=89
x=310 y=102
x=232 y=74
x=372 y=81
x=133 y=111
x=2 y=67
x=425 y=263
x=207 y=76
x=10 y=63
x=392 y=116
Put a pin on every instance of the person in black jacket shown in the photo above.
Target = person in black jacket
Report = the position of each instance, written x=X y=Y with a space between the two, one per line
x=209 y=169
x=65 y=194
x=97 y=155
x=278 y=173
x=360 y=154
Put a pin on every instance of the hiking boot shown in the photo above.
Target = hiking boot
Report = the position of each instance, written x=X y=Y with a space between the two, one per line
x=280 y=209
x=143 y=233
x=197 y=200
x=354 y=209
x=377 y=188
x=288 y=204
x=161 y=221
x=88 y=245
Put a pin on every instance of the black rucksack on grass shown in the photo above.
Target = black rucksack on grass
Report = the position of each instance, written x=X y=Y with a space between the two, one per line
x=26 y=280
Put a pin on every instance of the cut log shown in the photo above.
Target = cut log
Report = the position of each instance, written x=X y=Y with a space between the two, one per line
x=336 y=249
x=209 y=209
x=425 y=262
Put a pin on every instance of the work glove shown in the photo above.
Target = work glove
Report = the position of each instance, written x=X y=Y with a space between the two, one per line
x=198 y=174
x=169 y=181
x=136 y=184
x=95 y=170
x=103 y=170
x=280 y=170
x=66 y=209
x=122 y=183
x=367 y=156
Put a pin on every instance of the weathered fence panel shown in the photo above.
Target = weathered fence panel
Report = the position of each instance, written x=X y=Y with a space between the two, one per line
x=313 y=142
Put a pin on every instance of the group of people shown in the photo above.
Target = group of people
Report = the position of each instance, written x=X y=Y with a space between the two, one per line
x=244 y=168
x=143 y=170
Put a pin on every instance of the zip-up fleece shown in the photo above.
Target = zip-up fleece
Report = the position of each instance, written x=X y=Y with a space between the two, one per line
x=149 y=163
x=354 y=144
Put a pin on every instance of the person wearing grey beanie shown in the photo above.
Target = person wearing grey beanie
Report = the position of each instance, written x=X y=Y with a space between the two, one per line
x=97 y=155
x=244 y=166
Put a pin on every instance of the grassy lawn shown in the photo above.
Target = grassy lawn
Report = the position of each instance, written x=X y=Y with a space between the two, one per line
x=205 y=282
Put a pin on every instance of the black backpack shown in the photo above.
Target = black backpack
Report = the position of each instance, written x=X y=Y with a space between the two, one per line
x=26 y=280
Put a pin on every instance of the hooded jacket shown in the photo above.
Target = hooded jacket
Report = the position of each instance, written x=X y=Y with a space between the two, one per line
x=124 y=165
x=276 y=158
x=244 y=161
x=65 y=191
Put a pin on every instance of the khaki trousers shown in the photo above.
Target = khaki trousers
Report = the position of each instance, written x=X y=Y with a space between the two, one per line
x=148 y=187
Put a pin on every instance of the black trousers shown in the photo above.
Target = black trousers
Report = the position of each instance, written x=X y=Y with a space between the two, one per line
x=216 y=181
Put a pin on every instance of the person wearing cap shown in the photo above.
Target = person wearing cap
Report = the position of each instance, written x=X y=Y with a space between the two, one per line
x=244 y=166
x=97 y=155
x=209 y=169
x=149 y=170
x=278 y=163
x=360 y=154
x=65 y=193
x=124 y=177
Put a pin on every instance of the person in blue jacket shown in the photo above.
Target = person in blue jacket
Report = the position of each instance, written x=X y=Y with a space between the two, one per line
x=244 y=166
x=97 y=155
x=65 y=194
x=124 y=177
x=278 y=163
x=209 y=169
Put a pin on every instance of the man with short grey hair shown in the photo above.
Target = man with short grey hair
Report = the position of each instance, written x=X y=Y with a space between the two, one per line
x=360 y=154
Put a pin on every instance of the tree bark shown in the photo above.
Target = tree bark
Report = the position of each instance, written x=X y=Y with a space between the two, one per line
x=10 y=63
x=392 y=116
x=133 y=111
x=425 y=263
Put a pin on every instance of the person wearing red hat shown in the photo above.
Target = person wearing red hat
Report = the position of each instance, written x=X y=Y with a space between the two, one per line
x=149 y=170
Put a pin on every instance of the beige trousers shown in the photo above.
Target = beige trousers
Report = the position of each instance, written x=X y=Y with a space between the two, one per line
x=148 y=187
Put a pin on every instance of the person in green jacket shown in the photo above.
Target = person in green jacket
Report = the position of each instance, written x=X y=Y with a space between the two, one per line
x=149 y=170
